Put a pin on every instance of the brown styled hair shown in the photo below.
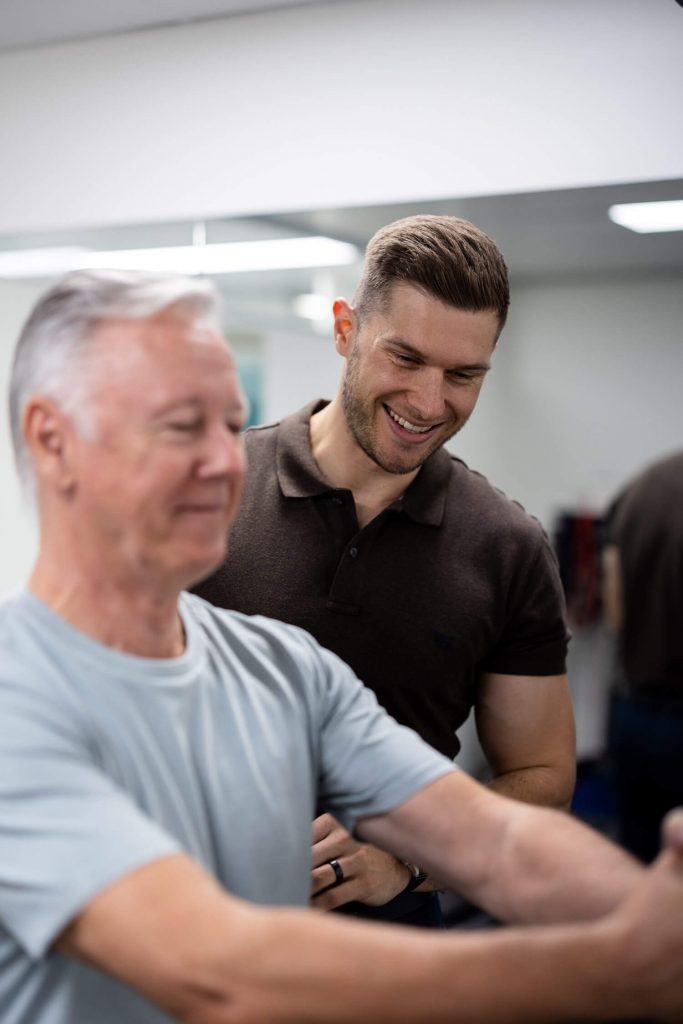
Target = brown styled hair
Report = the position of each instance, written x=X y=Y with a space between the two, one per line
x=447 y=257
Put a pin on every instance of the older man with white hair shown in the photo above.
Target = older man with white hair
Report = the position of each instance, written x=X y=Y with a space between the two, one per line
x=153 y=746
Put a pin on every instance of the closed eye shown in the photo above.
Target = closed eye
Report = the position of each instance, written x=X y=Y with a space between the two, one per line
x=185 y=426
x=405 y=360
x=465 y=376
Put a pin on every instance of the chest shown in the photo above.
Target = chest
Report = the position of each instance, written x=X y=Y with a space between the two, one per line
x=223 y=772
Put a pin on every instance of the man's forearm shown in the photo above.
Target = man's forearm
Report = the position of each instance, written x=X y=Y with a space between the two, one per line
x=551 y=867
x=629 y=964
x=522 y=863
x=328 y=972
x=203 y=956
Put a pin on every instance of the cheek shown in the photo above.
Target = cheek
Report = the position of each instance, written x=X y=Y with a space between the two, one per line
x=465 y=400
x=144 y=491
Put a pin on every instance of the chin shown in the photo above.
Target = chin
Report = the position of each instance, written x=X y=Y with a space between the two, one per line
x=202 y=565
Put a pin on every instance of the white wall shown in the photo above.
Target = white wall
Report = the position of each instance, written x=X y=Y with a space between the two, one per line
x=297 y=369
x=360 y=101
x=17 y=528
x=585 y=389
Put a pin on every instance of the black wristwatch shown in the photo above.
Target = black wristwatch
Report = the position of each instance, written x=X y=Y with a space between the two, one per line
x=417 y=877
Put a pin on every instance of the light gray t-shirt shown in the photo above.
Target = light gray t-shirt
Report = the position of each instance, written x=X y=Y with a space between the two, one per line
x=109 y=761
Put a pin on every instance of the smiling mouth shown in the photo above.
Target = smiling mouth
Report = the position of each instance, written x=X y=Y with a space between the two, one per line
x=412 y=428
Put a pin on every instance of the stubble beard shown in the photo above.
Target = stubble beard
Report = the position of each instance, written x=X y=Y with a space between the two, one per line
x=359 y=420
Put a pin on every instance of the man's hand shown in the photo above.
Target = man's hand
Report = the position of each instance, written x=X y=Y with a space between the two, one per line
x=370 y=875
x=672 y=831
x=651 y=920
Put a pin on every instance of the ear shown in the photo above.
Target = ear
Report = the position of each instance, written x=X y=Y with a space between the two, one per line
x=47 y=433
x=345 y=324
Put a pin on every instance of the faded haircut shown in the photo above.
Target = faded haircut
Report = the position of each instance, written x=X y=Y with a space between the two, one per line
x=447 y=257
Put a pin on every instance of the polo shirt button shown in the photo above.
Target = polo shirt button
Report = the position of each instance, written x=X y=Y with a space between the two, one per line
x=353 y=552
x=336 y=500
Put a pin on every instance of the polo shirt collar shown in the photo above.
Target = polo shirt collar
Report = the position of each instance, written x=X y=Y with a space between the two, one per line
x=299 y=476
x=297 y=470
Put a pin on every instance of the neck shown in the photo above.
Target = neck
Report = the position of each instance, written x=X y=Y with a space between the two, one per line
x=344 y=464
x=121 y=614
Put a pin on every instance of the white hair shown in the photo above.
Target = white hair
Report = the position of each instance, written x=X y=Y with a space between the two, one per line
x=53 y=345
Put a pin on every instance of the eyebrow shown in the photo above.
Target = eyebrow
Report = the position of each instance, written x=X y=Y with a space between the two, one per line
x=195 y=405
x=410 y=350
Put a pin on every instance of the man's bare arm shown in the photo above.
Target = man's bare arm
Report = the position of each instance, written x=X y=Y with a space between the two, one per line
x=526 y=729
x=206 y=958
x=521 y=863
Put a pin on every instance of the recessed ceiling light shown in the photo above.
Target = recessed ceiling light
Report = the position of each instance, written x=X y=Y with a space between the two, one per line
x=646 y=218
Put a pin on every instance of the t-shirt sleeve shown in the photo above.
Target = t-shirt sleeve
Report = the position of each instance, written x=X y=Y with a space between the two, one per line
x=368 y=763
x=66 y=830
x=535 y=636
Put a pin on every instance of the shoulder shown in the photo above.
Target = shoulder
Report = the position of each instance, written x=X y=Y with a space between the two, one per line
x=655 y=493
x=18 y=634
x=37 y=695
x=266 y=435
x=487 y=509
x=260 y=444
x=236 y=626
x=263 y=434
x=9 y=604
x=271 y=648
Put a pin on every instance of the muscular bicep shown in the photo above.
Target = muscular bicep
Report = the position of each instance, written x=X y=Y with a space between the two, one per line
x=166 y=929
x=526 y=728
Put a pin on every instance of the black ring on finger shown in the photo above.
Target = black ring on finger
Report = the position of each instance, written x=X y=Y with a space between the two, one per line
x=338 y=872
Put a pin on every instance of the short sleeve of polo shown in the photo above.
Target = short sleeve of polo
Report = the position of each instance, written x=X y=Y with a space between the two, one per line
x=535 y=638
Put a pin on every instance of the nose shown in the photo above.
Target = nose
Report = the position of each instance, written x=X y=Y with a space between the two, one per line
x=223 y=453
x=427 y=396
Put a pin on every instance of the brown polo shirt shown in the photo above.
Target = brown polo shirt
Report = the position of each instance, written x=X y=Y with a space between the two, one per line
x=452 y=580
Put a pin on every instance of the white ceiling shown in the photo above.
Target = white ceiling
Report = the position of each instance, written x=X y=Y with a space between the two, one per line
x=559 y=234
x=29 y=23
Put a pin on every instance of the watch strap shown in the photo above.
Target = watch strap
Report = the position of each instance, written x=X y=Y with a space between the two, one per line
x=417 y=877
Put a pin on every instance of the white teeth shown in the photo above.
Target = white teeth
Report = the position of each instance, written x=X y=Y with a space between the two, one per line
x=406 y=424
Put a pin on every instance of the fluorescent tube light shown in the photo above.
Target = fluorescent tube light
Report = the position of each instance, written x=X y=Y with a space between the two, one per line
x=222 y=258
x=646 y=218
x=39 y=262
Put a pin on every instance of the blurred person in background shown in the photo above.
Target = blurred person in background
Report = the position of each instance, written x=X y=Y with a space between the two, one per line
x=643 y=570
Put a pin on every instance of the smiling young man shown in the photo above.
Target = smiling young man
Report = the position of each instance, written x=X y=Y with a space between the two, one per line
x=356 y=524
x=160 y=759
